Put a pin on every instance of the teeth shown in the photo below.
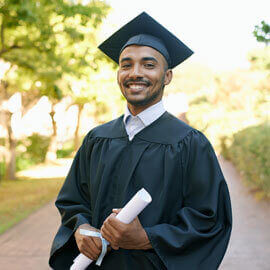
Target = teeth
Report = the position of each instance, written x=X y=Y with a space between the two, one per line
x=136 y=86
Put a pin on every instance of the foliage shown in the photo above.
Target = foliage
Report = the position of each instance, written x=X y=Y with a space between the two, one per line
x=23 y=163
x=63 y=153
x=260 y=59
x=234 y=101
x=66 y=150
x=232 y=110
x=33 y=151
x=37 y=147
x=198 y=100
x=262 y=32
x=189 y=78
x=42 y=41
x=2 y=169
x=20 y=198
x=44 y=36
x=2 y=141
x=250 y=152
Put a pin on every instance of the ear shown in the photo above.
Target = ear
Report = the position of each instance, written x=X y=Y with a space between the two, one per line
x=168 y=76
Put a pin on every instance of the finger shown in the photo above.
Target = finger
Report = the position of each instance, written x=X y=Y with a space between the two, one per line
x=78 y=237
x=114 y=223
x=98 y=243
x=89 y=247
x=106 y=235
x=88 y=251
x=112 y=245
x=110 y=232
x=112 y=215
x=93 y=247
x=112 y=242
x=115 y=247
x=89 y=255
x=77 y=241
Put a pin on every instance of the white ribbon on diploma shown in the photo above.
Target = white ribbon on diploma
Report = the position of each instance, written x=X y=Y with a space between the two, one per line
x=130 y=211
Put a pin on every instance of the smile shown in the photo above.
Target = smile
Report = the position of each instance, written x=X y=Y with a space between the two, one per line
x=137 y=86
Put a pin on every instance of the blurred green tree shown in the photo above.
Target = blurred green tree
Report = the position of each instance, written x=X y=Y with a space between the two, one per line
x=262 y=32
x=260 y=61
x=260 y=58
x=42 y=41
x=101 y=89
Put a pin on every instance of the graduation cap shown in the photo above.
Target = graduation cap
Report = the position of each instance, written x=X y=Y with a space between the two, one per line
x=143 y=30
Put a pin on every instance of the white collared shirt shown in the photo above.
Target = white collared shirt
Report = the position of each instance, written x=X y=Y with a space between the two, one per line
x=134 y=124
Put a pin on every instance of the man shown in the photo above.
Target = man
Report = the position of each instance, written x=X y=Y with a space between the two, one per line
x=188 y=223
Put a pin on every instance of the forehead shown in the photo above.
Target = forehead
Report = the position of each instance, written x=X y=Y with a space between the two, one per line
x=136 y=52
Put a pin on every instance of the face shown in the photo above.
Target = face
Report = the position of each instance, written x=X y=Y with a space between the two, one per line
x=142 y=75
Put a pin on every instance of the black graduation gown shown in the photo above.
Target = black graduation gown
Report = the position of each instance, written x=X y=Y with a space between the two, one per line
x=189 y=219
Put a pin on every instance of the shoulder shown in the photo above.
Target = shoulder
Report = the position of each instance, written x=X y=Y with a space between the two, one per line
x=177 y=127
x=112 y=129
x=168 y=129
x=185 y=133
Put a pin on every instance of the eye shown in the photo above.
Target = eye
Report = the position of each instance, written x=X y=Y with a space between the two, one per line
x=126 y=65
x=149 y=65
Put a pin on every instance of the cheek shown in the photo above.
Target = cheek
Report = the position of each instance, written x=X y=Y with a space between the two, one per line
x=120 y=78
x=158 y=81
x=156 y=77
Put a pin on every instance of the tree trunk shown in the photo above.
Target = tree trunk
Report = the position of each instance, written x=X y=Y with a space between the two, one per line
x=51 y=153
x=182 y=116
x=76 y=135
x=11 y=156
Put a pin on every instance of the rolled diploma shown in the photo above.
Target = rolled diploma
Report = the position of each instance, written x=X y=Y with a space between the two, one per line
x=130 y=211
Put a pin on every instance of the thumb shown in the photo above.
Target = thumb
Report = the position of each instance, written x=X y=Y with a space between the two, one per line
x=116 y=210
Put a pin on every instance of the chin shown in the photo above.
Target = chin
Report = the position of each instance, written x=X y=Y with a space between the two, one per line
x=140 y=102
x=137 y=102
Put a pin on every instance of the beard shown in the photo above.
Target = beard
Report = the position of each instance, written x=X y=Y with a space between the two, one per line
x=150 y=97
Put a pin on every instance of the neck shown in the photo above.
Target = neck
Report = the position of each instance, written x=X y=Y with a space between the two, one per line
x=136 y=109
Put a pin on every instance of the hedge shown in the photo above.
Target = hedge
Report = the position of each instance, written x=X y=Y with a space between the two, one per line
x=250 y=153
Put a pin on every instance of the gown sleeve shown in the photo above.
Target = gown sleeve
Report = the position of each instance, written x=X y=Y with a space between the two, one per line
x=73 y=203
x=201 y=234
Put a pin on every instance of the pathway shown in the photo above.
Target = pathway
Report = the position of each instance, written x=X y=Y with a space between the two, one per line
x=27 y=245
x=249 y=247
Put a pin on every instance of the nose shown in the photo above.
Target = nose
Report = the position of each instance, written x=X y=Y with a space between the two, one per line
x=135 y=72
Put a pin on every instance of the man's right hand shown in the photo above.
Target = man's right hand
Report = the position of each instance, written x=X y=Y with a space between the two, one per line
x=88 y=245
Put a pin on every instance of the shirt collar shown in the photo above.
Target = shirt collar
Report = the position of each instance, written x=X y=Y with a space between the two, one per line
x=149 y=115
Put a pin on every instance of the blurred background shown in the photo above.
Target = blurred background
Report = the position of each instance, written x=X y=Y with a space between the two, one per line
x=55 y=86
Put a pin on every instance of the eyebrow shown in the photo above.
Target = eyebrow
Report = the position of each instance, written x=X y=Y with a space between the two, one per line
x=125 y=59
x=144 y=59
x=150 y=59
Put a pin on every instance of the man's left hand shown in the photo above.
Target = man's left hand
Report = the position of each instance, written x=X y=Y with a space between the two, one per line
x=127 y=236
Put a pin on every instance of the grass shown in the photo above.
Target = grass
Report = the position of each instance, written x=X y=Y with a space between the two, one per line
x=19 y=198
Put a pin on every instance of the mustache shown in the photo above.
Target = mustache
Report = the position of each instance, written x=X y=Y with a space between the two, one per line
x=136 y=81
